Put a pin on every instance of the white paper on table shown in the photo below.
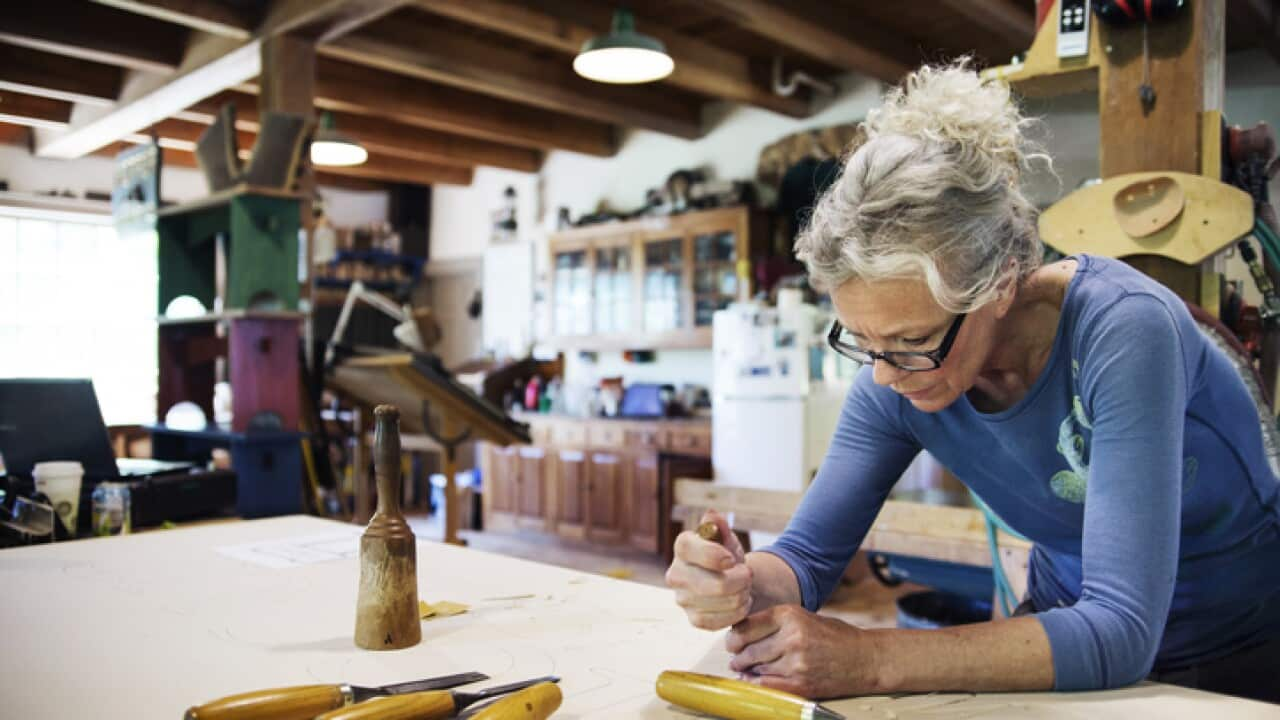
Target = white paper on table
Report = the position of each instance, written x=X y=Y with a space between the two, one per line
x=298 y=551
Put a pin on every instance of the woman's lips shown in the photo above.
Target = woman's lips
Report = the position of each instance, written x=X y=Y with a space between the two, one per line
x=917 y=394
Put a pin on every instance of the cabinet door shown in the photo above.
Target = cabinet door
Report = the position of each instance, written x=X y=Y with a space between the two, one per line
x=644 y=501
x=571 y=474
x=604 y=493
x=532 y=481
x=571 y=292
x=715 y=273
x=504 y=479
x=613 y=286
x=663 y=286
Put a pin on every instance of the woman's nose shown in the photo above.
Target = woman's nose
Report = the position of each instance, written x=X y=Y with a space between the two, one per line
x=884 y=373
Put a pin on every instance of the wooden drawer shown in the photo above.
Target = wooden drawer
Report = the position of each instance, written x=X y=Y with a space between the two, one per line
x=690 y=441
x=606 y=434
x=568 y=434
x=645 y=438
x=540 y=433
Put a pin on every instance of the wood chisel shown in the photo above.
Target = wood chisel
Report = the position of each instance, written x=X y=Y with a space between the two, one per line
x=432 y=705
x=303 y=702
x=737 y=700
x=533 y=703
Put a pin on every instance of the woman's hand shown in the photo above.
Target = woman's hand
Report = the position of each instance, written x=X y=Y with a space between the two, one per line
x=789 y=648
x=712 y=580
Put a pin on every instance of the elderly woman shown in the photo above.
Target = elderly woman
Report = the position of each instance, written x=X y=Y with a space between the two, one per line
x=1079 y=400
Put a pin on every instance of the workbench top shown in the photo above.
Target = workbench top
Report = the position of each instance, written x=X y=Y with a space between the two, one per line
x=144 y=626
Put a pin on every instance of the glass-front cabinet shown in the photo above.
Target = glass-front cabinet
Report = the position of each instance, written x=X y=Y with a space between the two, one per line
x=613 y=290
x=663 y=296
x=572 y=281
x=650 y=283
x=715 y=274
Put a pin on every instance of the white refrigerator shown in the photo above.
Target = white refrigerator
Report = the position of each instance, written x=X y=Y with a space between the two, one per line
x=772 y=416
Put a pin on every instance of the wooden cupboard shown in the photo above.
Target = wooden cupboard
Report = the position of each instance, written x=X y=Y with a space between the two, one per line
x=653 y=282
x=596 y=480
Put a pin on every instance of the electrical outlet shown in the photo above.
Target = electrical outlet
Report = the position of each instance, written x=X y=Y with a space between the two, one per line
x=1073 y=28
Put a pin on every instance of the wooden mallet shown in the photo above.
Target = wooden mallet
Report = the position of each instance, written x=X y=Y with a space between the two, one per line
x=387 y=616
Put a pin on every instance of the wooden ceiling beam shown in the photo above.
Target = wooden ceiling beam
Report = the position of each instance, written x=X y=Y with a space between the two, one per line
x=362 y=91
x=820 y=35
x=211 y=64
x=204 y=15
x=394 y=169
x=700 y=66
x=388 y=137
x=380 y=168
x=55 y=76
x=93 y=32
x=419 y=48
x=33 y=110
x=11 y=134
x=1013 y=24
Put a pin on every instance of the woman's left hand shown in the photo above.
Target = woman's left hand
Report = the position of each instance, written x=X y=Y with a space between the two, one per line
x=789 y=648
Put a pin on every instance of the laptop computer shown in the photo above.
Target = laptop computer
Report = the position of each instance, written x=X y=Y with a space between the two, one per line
x=60 y=420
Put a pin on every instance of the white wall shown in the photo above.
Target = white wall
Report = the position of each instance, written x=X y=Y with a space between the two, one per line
x=27 y=173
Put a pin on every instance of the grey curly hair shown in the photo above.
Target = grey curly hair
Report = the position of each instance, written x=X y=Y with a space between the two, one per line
x=933 y=193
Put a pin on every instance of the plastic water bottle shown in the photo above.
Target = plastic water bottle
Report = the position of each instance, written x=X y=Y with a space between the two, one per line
x=111 y=511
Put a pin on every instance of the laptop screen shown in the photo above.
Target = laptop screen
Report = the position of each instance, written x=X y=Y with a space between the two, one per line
x=53 y=420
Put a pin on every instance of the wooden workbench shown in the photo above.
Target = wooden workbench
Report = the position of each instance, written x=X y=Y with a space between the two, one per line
x=903 y=527
x=144 y=626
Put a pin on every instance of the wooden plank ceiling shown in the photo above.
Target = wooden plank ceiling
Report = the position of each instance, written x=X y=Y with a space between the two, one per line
x=435 y=88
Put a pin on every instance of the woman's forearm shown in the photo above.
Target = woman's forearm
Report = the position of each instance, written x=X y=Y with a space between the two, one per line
x=1003 y=655
x=773 y=582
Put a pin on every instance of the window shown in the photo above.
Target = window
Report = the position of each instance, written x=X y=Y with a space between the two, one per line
x=79 y=300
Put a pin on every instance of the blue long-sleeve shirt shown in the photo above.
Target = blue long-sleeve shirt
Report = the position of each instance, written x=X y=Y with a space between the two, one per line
x=1135 y=463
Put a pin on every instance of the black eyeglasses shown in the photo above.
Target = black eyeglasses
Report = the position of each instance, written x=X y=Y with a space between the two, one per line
x=909 y=361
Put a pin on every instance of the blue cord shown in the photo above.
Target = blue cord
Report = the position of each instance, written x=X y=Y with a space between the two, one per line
x=1008 y=600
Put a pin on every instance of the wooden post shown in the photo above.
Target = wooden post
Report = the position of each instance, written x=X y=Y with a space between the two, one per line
x=288 y=84
x=363 y=509
x=1186 y=70
x=447 y=431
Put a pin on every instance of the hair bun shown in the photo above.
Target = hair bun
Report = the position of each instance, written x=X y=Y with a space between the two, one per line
x=951 y=104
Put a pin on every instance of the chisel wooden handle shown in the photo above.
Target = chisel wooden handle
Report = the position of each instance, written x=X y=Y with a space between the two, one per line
x=301 y=702
x=727 y=698
x=429 y=705
x=533 y=703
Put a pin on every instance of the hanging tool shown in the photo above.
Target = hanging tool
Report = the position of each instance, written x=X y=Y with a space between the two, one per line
x=1119 y=13
x=536 y=702
x=737 y=700
x=303 y=702
x=432 y=705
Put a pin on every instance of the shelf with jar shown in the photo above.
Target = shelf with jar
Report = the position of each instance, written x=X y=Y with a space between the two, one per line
x=653 y=282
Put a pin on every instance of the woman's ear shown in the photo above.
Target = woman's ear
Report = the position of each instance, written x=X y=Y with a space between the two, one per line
x=1005 y=293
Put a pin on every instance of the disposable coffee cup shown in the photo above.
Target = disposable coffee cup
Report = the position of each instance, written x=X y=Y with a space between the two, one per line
x=60 y=482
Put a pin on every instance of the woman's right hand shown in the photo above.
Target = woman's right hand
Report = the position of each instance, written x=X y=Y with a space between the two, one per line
x=712 y=579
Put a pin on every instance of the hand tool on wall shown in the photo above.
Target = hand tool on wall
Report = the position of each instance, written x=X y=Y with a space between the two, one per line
x=303 y=702
x=431 y=705
x=737 y=700
x=387 y=607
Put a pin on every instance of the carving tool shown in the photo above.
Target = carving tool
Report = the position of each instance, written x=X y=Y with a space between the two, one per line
x=387 y=615
x=737 y=700
x=536 y=702
x=432 y=705
x=303 y=702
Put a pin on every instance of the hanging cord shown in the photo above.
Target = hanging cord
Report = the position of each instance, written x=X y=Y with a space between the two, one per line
x=1008 y=599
